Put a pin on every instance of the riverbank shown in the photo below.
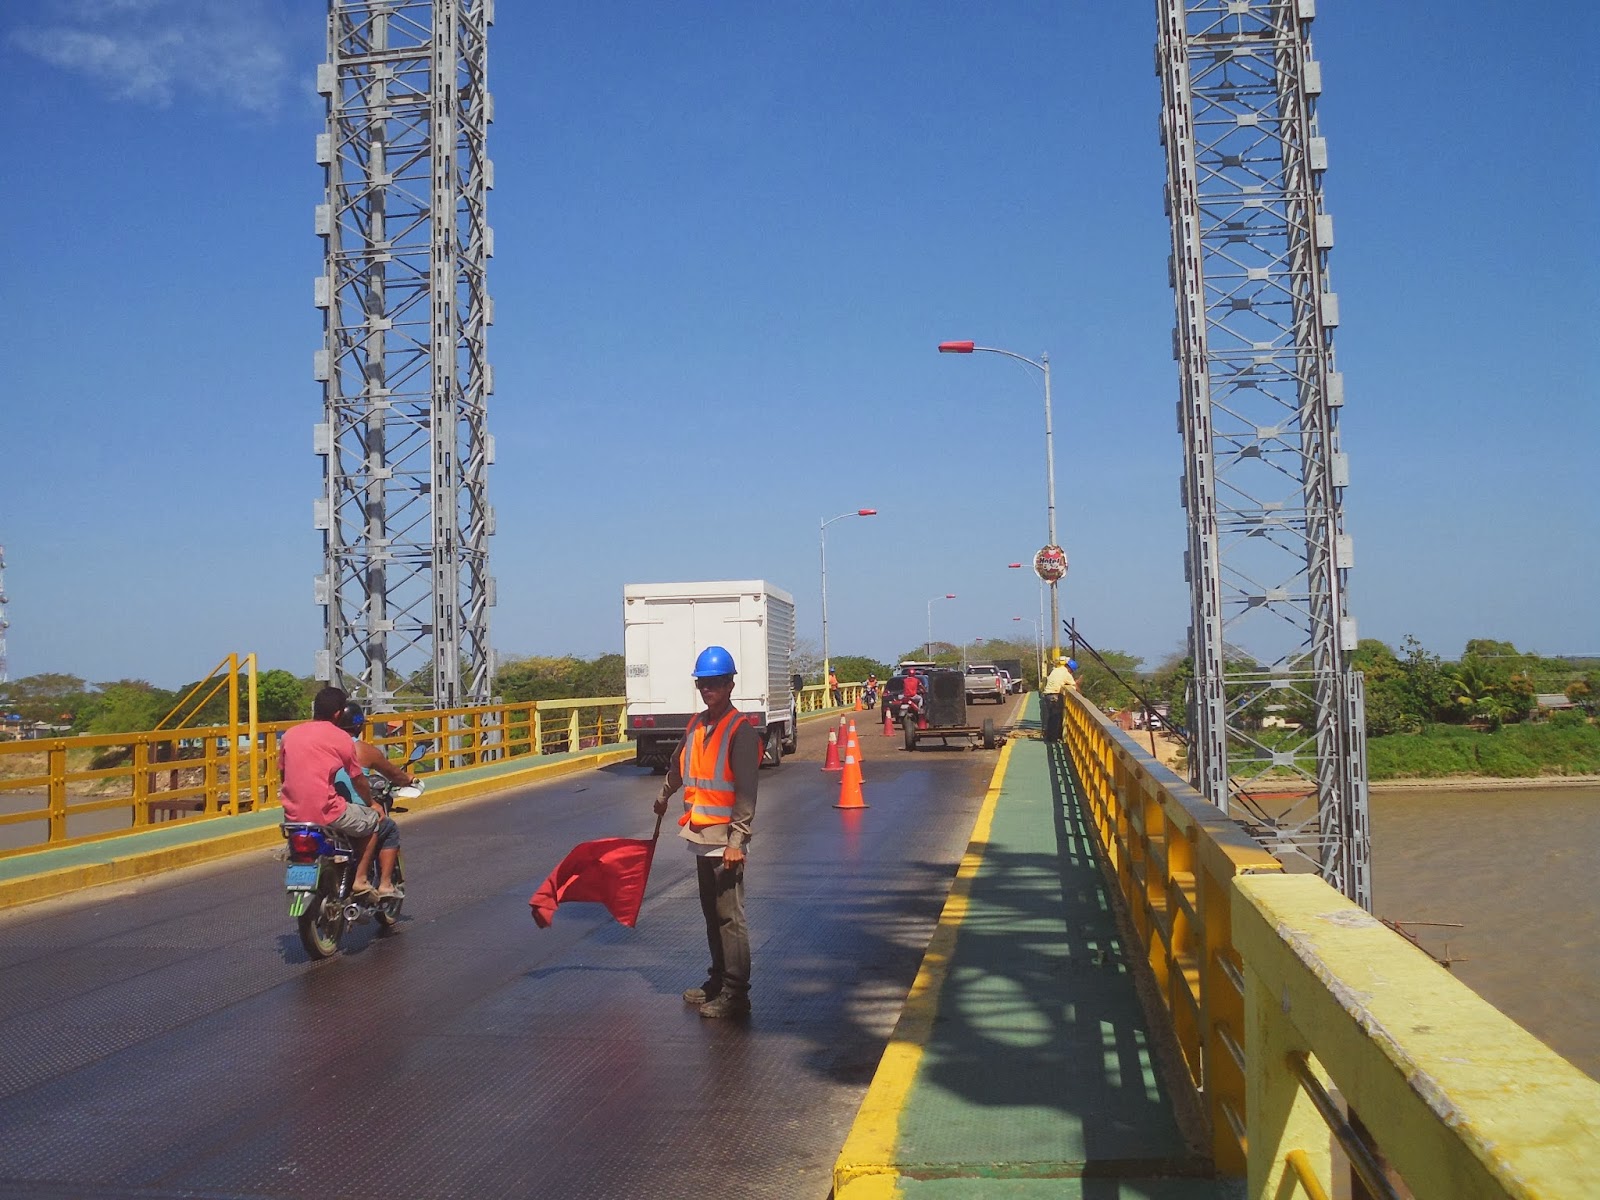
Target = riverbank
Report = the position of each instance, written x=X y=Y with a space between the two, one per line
x=1170 y=751
x=1485 y=783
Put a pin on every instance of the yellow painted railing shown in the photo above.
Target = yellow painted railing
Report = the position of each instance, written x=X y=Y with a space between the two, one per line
x=61 y=791
x=1175 y=858
x=814 y=697
x=1295 y=1010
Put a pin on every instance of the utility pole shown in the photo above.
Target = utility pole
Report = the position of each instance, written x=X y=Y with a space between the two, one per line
x=404 y=440
x=1260 y=399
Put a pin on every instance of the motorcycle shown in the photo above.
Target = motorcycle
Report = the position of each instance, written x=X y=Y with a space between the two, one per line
x=903 y=708
x=322 y=870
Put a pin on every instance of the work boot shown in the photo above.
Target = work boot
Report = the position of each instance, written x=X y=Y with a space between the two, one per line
x=709 y=990
x=726 y=1004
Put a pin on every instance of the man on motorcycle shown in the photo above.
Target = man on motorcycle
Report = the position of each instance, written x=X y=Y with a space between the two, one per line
x=351 y=718
x=309 y=758
x=912 y=691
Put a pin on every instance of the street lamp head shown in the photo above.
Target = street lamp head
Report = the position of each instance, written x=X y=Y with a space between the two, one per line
x=949 y=595
x=1013 y=566
x=866 y=512
x=956 y=347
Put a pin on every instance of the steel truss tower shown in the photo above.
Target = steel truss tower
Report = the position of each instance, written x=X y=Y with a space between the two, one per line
x=1264 y=476
x=404 y=513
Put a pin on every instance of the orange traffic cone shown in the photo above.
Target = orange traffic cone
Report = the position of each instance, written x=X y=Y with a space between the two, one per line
x=888 y=723
x=831 y=762
x=858 y=706
x=850 y=782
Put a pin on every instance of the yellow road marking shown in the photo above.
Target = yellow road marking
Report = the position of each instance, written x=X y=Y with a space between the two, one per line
x=865 y=1168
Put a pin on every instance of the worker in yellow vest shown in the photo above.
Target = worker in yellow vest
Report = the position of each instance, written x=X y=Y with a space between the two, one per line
x=717 y=765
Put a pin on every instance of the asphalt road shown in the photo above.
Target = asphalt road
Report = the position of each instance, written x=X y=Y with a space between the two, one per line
x=172 y=1038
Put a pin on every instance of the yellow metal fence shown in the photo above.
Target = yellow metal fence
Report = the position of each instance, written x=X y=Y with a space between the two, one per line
x=61 y=791
x=1295 y=1011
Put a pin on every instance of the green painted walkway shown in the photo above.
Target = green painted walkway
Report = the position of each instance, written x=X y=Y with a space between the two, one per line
x=1026 y=1068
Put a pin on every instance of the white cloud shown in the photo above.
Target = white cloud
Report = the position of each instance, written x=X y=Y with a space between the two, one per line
x=152 y=51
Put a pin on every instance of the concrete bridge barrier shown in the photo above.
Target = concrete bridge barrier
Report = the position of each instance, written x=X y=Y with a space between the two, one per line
x=1319 y=1042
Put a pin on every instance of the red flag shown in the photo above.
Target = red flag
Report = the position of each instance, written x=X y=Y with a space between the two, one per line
x=610 y=871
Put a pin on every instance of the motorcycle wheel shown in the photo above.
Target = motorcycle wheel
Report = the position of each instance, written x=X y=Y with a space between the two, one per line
x=388 y=912
x=322 y=925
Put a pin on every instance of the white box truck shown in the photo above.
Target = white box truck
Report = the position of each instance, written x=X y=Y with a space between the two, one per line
x=664 y=628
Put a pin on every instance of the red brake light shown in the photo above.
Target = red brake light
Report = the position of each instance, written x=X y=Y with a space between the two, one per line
x=303 y=846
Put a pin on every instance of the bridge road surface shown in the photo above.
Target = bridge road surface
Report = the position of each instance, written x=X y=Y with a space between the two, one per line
x=171 y=1038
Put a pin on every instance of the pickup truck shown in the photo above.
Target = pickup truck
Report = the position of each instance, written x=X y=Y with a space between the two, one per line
x=985 y=683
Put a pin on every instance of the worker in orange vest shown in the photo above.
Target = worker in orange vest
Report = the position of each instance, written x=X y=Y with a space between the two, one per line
x=717 y=766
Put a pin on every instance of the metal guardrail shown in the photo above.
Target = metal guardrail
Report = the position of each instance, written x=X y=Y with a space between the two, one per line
x=87 y=788
x=1295 y=1010
x=1175 y=857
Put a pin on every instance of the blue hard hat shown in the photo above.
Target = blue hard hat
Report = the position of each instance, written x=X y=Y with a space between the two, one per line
x=713 y=660
x=1072 y=664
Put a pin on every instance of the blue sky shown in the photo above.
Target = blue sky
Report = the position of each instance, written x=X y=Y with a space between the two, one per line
x=729 y=238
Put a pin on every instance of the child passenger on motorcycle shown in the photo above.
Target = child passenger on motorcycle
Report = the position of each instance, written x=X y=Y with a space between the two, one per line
x=386 y=841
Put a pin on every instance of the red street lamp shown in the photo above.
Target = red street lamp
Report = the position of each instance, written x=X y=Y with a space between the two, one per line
x=1043 y=364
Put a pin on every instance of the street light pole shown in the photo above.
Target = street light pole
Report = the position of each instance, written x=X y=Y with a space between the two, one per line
x=927 y=647
x=1043 y=365
x=822 y=538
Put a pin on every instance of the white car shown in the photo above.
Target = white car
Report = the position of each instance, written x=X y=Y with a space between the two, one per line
x=985 y=683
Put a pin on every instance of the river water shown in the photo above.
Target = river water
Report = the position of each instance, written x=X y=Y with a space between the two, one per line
x=1520 y=869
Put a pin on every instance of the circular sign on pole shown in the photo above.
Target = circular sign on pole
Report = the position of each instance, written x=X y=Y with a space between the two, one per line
x=1050 y=564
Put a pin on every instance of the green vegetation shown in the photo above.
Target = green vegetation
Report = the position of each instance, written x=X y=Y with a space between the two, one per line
x=563 y=678
x=1566 y=745
x=1426 y=718
x=131 y=705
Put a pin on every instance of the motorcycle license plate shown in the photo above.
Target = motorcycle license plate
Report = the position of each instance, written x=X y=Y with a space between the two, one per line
x=302 y=877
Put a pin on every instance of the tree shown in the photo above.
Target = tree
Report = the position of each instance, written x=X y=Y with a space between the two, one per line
x=1427 y=692
x=854 y=668
x=51 y=698
x=281 y=696
x=1098 y=683
x=125 y=706
x=565 y=678
x=1170 y=684
x=1388 y=710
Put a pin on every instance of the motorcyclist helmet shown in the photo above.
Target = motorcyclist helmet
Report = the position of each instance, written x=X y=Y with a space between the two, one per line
x=713 y=660
x=351 y=717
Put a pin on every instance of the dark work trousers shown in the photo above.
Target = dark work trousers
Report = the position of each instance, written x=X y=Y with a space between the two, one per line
x=1052 y=718
x=722 y=902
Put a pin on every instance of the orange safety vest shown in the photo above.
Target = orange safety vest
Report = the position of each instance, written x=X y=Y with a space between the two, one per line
x=707 y=774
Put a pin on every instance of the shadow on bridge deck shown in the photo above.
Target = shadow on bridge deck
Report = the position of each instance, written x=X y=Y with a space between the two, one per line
x=1024 y=1063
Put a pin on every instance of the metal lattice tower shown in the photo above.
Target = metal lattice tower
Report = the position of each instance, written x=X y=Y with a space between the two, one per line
x=5 y=668
x=1264 y=477
x=405 y=447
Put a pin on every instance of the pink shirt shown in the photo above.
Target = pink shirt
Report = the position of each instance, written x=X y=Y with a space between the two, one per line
x=307 y=760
